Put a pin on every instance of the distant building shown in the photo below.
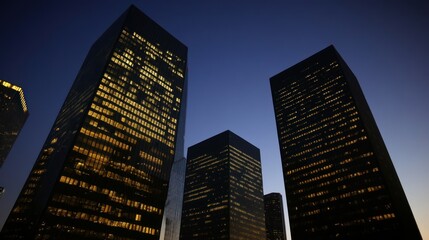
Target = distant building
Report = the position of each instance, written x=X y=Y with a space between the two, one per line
x=13 y=114
x=223 y=196
x=339 y=178
x=104 y=169
x=274 y=217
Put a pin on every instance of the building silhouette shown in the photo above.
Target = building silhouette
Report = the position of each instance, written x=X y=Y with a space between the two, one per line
x=274 y=217
x=13 y=114
x=223 y=197
x=340 y=181
x=104 y=169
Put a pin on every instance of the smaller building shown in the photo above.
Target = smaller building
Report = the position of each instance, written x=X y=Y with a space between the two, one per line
x=223 y=197
x=13 y=114
x=274 y=217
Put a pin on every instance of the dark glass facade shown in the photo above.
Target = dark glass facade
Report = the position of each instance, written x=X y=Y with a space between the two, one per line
x=13 y=114
x=223 y=196
x=340 y=181
x=103 y=171
x=274 y=217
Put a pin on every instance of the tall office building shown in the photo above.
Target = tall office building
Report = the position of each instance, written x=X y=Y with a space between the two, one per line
x=274 y=217
x=223 y=196
x=13 y=114
x=340 y=181
x=103 y=171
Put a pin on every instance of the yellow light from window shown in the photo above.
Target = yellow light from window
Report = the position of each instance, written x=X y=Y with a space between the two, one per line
x=6 y=84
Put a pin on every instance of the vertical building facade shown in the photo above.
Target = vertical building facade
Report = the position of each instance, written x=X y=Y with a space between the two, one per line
x=13 y=114
x=173 y=206
x=223 y=197
x=170 y=229
x=104 y=169
x=340 y=181
x=274 y=217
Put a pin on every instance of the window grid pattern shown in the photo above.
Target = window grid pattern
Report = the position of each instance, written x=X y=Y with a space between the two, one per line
x=112 y=164
x=274 y=217
x=333 y=182
x=103 y=171
x=206 y=200
x=13 y=114
x=223 y=196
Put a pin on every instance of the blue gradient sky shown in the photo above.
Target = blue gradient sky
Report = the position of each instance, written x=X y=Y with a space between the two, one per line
x=234 y=48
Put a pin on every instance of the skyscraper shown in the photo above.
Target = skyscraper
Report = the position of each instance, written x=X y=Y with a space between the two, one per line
x=103 y=171
x=274 y=217
x=13 y=114
x=223 y=196
x=340 y=181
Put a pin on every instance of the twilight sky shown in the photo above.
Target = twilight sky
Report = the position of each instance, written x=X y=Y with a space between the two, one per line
x=234 y=48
